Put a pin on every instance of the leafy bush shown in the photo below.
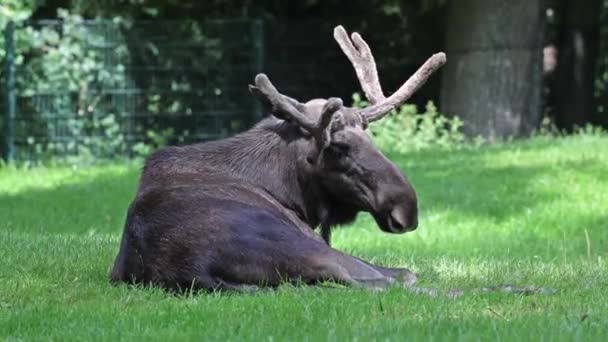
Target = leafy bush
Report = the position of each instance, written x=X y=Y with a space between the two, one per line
x=548 y=128
x=77 y=99
x=405 y=129
x=62 y=85
x=71 y=62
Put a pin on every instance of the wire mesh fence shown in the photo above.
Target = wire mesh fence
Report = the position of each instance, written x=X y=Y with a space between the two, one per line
x=104 y=88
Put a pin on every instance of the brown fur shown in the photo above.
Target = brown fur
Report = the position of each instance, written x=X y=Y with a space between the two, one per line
x=241 y=211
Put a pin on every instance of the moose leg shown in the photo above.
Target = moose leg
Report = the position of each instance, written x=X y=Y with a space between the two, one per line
x=366 y=274
x=269 y=262
x=262 y=249
x=340 y=267
x=401 y=275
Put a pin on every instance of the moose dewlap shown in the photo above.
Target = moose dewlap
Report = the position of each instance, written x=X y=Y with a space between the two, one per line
x=242 y=211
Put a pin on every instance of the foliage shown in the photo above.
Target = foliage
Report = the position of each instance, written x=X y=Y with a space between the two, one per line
x=405 y=129
x=78 y=101
x=63 y=76
x=548 y=128
x=11 y=10
x=497 y=214
x=65 y=57
x=157 y=139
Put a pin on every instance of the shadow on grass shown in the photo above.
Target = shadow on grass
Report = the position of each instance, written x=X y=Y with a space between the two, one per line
x=463 y=182
x=95 y=204
x=466 y=182
x=477 y=204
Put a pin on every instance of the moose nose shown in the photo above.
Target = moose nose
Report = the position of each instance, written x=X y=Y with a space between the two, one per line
x=401 y=219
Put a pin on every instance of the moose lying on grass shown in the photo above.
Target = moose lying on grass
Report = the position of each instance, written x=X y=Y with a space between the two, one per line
x=241 y=212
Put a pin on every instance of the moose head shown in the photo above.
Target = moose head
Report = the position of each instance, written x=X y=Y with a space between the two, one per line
x=339 y=152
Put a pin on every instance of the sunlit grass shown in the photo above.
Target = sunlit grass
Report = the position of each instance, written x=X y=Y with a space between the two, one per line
x=526 y=213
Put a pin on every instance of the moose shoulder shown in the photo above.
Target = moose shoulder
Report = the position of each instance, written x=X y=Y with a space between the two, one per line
x=241 y=211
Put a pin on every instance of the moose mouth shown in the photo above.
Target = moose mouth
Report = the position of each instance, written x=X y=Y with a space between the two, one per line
x=396 y=221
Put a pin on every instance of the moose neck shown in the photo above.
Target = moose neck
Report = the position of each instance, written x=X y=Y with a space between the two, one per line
x=266 y=156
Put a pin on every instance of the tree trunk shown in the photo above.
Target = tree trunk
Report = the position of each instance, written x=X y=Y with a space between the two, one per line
x=493 y=77
x=578 y=47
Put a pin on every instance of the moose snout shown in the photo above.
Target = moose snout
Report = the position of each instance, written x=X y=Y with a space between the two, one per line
x=403 y=219
x=398 y=206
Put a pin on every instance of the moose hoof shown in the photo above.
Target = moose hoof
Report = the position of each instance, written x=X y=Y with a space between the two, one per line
x=406 y=277
x=379 y=284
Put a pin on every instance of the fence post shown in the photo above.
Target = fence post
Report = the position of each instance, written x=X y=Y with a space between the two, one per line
x=10 y=113
x=257 y=35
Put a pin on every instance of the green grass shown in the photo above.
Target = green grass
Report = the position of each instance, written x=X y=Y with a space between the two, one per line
x=514 y=213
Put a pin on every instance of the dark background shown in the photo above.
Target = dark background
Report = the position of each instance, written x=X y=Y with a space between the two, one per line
x=510 y=63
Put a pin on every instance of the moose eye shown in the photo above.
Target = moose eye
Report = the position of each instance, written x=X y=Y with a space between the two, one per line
x=338 y=148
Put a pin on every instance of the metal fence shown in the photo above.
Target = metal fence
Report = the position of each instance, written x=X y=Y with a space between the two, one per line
x=102 y=87
x=161 y=82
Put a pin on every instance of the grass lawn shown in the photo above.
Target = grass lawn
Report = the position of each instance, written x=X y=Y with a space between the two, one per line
x=530 y=213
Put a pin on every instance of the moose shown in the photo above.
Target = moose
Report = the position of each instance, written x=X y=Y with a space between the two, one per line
x=241 y=212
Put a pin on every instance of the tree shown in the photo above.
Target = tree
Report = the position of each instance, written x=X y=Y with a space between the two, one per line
x=493 y=78
x=578 y=43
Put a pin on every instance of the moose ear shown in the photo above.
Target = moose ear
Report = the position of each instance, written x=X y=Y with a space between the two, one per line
x=257 y=93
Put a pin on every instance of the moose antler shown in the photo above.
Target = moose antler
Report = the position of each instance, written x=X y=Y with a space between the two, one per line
x=362 y=59
x=284 y=107
x=379 y=110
